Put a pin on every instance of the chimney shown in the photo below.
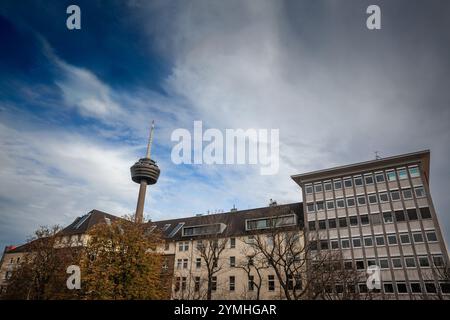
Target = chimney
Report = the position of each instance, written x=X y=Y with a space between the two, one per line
x=234 y=209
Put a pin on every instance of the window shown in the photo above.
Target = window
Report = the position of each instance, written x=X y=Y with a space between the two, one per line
x=420 y=192
x=337 y=185
x=348 y=183
x=319 y=205
x=313 y=245
x=185 y=263
x=350 y=202
x=375 y=218
x=322 y=225
x=183 y=283
x=397 y=263
x=379 y=177
x=401 y=288
x=372 y=198
x=361 y=200
x=387 y=217
x=356 y=242
x=364 y=219
x=264 y=223
x=358 y=181
x=404 y=238
x=323 y=244
x=179 y=263
x=251 y=283
x=197 y=284
x=271 y=282
x=334 y=244
x=340 y=203
x=368 y=241
x=213 y=283
x=410 y=262
x=318 y=187
x=327 y=186
x=395 y=195
x=232 y=283
x=345 y=243
x=353 y=221
x=199 y=245
x=232 y=262
x=407 y=194
x=425 y=213
x=379 y=240
x=445 y=287
x=198 y=263
x=392 y=239
x=360 y=264
x=342 y=222
x=166 y=226
x=348 y=265
x=438 y=261
x=415 y=287
x=166 y=246
x=384 y=263
x=330 y=205
x=418 y=238
x=391 y=176
x=309 y=189
x=371 y=263
x=312 y=225
x=332 y=223
x=388 y=288
x=183 y=246
x=412 y=214
x=177 y=284
x=414 y=172
x=362 y=287
x=430 y=287
x=384 y=197
x=176 y=229
x=368 y=179
x=399 y=216
x=232 y=243
x=424 y=262
x=431 y=236
x=402 y=175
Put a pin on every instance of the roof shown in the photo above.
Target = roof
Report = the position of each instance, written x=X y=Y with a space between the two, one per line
x=419 y=156
x=84 y=223
x=233 y=220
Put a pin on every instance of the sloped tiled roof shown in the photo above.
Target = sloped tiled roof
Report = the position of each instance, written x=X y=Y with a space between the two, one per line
x=84 y=223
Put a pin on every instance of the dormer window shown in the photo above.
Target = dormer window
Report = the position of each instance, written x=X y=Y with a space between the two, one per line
x=203 y=229
x=265 y=223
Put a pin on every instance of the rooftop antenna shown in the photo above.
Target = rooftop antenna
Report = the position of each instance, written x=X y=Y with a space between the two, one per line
x=150 y=140
x=377 y=156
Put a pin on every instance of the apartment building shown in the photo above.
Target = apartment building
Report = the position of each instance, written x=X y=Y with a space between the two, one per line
x=381 y=213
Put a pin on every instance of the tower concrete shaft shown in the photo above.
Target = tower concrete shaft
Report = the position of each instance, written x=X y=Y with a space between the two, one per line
x=139 y=217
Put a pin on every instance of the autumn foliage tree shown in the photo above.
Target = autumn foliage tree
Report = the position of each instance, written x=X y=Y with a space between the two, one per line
x=120 y=261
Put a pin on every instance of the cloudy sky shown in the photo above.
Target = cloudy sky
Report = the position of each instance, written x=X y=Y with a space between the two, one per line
x=75 y=106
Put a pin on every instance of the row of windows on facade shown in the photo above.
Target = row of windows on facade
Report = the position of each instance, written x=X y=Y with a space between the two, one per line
x=292 y=283
x=368 y=241
x=360 y=180
x=373 y=218
x=183 y=263
x=362 y=200
x=184 y=245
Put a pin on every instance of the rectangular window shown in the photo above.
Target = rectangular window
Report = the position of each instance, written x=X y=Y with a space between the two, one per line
x=399 y=216
x=364 y=219
x=361 y=200
x=384 y=197
x=251 y=283
x=420 y=192
x=350 y=202
x=337 y=185
x=414 y=172
x=431 y=236
x=345 y=243
x=332 y=223
x=198 y=263
x=397 y=263
x=342 y=222
x=388 y=288
x=387 y=217
x=197 y=284
x=430 y=287
x=319 y=205
x=232 y=262
x=407 y=194
x=395 y=195
x=312 y=225
x=424 y=262
x=360 y=265
x=358 y=181
x=375 y=219
x=323 y=244
x=418 y=238
x=392 y=239
x=271 y=282
x=334 y=244
x=415 y=287
x=183 y=283
x=425 y=213
x=353 y=221
x=404 y=238
x=379 y=240
x=185 y=263
x=322 y=225
x=232 y=243
x=348 y=265
x=438 y=261
x=384 y=263
x=412 y=214
x=368 y=179
x=327 y=186
x=368 y=241
x=372 y=198
x=330 y=205
x=402 y=175
x=166 y=246
x=213 y=283
x=340 y=203
x=379 y=177
x=391 y=176
x=318 y=187
x=356 y=242
x=310 y=207
x=177 y=284
x=401 y=288
x=232 y=283
x=410 y=262
x=179 y=263
x=348 y=183
x=308 y=189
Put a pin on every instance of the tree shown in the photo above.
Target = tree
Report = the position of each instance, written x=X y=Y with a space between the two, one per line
x=253 y=264
x=120 y=261
x=41 y=274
